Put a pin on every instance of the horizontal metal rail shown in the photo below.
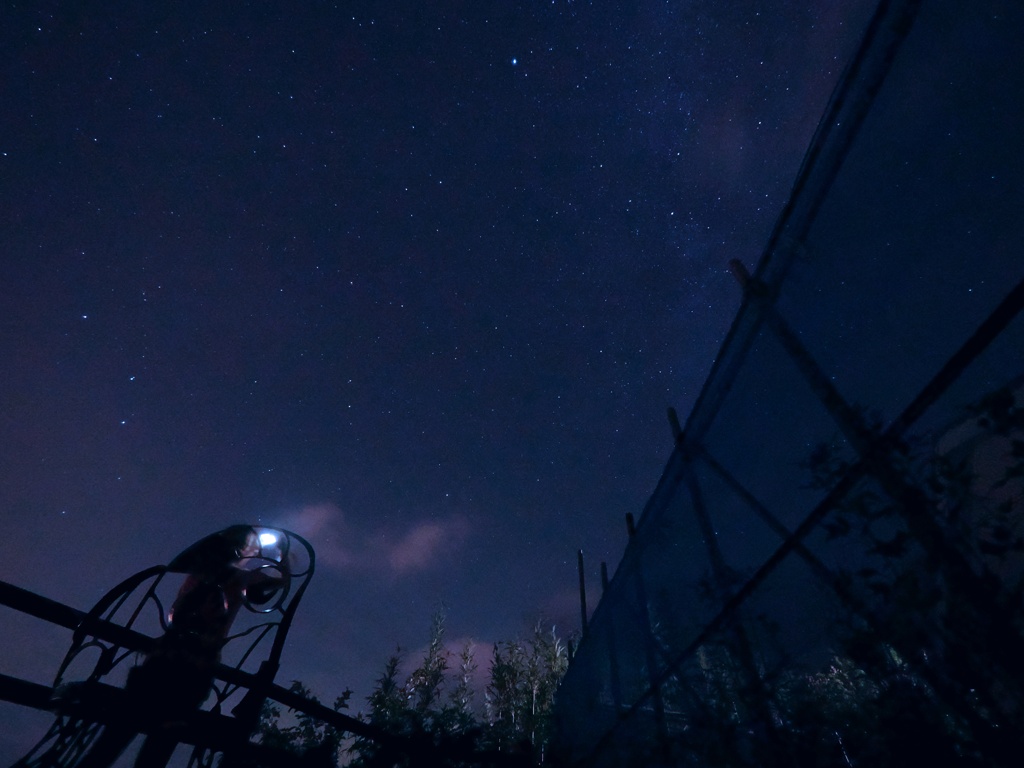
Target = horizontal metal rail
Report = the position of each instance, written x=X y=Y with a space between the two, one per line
x=39 y=696
x=214 y=731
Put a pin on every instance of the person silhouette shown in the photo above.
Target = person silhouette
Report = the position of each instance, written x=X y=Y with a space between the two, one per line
x=177 y=674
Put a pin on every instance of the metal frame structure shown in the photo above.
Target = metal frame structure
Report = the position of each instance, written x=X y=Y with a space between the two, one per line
x=677 y=593
x=126 y=624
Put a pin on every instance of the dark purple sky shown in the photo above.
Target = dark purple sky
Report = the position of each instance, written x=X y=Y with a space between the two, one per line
x=416 y=282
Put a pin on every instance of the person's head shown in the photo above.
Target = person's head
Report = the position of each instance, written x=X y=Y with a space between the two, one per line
x=239 y=542
x=217 y=551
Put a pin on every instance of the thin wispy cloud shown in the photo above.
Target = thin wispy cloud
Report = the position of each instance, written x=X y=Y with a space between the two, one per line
x=425 y=544
x=340 y=544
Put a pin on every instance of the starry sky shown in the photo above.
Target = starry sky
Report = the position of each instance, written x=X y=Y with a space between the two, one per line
x=415 y=280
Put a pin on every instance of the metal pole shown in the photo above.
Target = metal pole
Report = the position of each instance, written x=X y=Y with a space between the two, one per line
x=583 y=591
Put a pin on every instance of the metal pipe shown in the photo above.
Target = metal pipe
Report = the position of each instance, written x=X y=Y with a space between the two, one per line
x=583 y=590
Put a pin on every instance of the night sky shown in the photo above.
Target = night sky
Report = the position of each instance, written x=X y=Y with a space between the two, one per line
x=415 y=280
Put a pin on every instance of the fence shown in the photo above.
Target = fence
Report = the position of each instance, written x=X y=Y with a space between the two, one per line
x=835 y=533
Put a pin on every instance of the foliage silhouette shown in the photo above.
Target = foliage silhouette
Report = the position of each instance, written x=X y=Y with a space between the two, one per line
x=432 y=714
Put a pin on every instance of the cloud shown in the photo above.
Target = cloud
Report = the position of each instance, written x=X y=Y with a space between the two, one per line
x=325 y=527
x=424 y=545
x=343 y=546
